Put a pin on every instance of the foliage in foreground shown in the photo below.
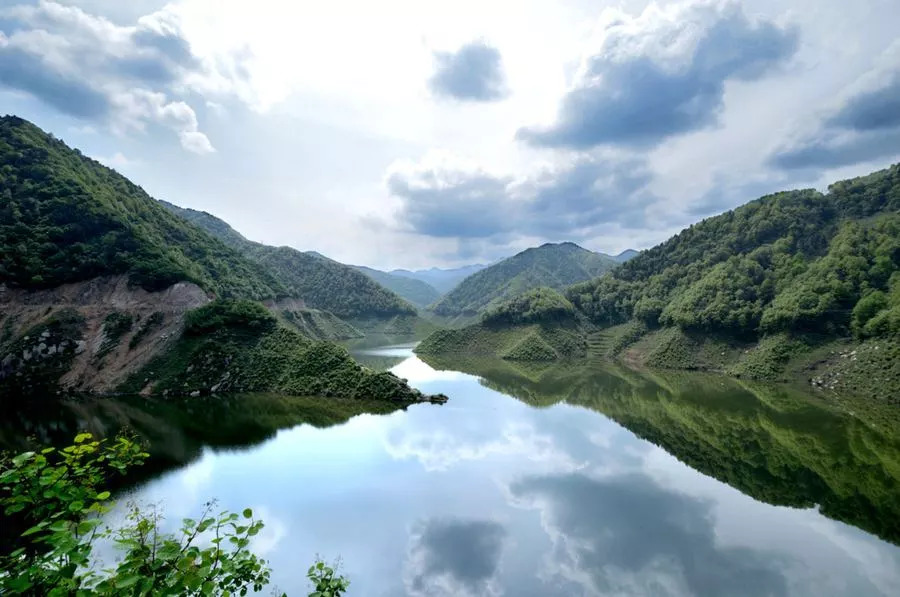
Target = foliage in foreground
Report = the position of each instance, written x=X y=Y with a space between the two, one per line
x=53 y=502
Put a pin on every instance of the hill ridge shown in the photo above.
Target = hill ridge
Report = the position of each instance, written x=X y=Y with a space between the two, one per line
x=554 y=265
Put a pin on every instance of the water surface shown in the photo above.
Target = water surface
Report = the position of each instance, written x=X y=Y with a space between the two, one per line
x=556 y=480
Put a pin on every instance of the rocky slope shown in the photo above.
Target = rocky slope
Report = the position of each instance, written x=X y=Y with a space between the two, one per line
x=87 y=336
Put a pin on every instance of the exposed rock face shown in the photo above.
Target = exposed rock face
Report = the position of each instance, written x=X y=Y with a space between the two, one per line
x=89 y=356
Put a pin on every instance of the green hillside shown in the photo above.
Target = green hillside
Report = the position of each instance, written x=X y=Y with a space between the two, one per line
x=415 y=291
x=322 y=283
x=326 y=284
x=551 y=265
x=799 y=262
x=66 y=218
x=237 y=346
x=540 y=325
x=795 y=286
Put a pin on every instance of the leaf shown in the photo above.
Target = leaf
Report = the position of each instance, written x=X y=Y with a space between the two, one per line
x=21 y=458
x=83 y=437
x=127 y=581
x=36 y=528
x=248 y=513
x=59 y=526
x=103 y=495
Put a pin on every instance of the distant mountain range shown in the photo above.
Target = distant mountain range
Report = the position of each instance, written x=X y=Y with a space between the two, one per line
x=419 y=293
x=551 y=265
x=442 y=280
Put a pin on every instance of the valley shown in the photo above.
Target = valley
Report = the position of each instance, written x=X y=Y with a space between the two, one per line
x=751 y=361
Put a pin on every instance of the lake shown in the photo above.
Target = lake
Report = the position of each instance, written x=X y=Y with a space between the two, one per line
x=554 y=480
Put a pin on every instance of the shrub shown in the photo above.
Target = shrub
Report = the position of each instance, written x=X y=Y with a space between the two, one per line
x=52 y=503
x=235 y=313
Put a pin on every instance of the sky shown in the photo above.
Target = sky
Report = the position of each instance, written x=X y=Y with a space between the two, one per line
x=409 y=133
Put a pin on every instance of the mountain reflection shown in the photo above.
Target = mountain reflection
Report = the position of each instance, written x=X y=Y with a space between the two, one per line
x=779 y=446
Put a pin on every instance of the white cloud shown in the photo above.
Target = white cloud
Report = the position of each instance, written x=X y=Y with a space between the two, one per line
x=95 y=70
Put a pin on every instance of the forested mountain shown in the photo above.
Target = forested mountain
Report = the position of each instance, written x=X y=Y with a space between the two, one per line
x=442 y=280
x=798 y=261
x=326 y=284
x=103 y=289
x=321 y=282
x=797 y=284
x=551 y=265
x=415 y=291
x=626 y=255
x=67 y=218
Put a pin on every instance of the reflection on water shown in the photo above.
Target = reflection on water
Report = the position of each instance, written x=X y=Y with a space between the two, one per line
x=551 y=480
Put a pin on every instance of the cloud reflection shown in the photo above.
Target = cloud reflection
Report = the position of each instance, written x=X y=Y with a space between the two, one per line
x=626 y=535
x=454 y=557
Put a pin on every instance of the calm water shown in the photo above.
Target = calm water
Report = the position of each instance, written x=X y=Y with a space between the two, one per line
x=555 y=481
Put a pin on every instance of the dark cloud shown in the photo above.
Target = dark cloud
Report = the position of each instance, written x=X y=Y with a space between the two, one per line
x=873 y=110
x=473 y=73
x=443 y=197
x=832 y=150
x=661 y=74
x=443 y=203
x=26 y=72
x=92 y=69
x=454 y=557
x=631 y=536
x=864 y=128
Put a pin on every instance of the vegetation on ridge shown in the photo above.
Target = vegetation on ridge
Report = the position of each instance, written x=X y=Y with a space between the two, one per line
x=66 y=218
x=322 y=283
x=798 y=262
x=550 y=265
x=238 y=346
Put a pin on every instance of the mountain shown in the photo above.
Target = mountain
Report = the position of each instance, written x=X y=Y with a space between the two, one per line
x=66 y=218
x=415 y=291
x=321 y=282
x=442 y=280
x=798 y=261
x=104 y=290
x=625 y=255
x=794 y=285
x=551 y=265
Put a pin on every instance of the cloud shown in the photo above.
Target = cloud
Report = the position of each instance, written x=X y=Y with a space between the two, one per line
x=454 y=557
x=92 y=69
x=626 y=535
x=446 y=196
x=438 y=450
x=864 y=126
x=662 y=73
x=474 y=73
x=117 y=160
